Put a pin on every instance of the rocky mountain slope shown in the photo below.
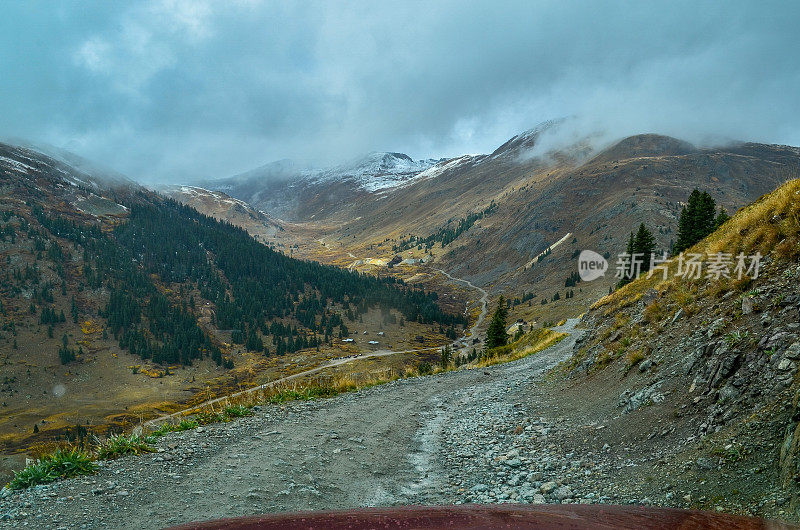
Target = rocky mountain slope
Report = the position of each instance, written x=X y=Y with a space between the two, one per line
x=223 y=207
x=295 y=191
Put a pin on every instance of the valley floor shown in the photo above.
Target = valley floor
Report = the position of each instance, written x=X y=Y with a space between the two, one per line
x=497 y=434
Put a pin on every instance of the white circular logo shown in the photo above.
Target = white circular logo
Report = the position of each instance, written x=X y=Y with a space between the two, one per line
x=591 y=265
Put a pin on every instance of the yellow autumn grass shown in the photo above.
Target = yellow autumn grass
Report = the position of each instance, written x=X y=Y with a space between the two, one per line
x=528 y=344
x=769 y=226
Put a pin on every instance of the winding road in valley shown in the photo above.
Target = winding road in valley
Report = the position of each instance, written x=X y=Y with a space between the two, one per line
x=484 y=301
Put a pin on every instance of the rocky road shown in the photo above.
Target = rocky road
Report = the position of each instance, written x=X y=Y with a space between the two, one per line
x=451 y=438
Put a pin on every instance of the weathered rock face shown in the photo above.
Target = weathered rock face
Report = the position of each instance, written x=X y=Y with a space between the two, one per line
x=729 y=362
x=649 y=395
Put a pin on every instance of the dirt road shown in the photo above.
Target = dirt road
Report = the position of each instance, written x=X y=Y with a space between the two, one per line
x=484 y=301
x=383 y=446
x=276 y=382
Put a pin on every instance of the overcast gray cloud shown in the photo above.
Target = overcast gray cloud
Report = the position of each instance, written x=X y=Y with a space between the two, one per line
x=167 y=90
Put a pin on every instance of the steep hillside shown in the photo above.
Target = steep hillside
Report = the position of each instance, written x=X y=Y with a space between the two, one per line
x=116 y=303
x=602 y=200
x=225 y=208
x=704 y=370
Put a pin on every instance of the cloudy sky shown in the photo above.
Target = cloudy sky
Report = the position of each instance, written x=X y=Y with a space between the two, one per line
x=170 y=90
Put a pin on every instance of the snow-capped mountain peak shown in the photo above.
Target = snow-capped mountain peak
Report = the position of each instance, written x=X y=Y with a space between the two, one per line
x=373 y=172
x=376 y=171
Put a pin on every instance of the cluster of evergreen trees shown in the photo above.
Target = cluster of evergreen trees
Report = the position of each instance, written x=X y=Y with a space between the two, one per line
x=49 y=316
x=526 y=297
x=8 y=231
x=641 y=246
x=698 y=219
x=66 y=354
x=270 y=302
x=447 y=234
x=573 y=280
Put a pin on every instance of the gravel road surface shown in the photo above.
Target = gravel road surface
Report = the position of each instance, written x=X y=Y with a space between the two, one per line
x=400 y=443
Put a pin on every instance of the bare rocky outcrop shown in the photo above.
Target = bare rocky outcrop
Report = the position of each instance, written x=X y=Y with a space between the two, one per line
x=723 y=374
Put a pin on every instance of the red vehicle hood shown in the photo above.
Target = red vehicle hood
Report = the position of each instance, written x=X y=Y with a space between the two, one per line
x=510 y=516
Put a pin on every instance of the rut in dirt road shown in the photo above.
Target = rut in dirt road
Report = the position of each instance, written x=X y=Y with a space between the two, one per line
x=380 y=446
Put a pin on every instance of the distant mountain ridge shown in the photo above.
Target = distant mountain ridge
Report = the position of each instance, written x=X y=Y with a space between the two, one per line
x=542 y=187
x=377 y=171
x=372 y=172
x=296 y=191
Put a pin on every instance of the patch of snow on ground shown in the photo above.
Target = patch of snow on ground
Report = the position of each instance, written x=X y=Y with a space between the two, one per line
x=16 y=165
x=447 y=165
x=216 y=195
x=75 y=181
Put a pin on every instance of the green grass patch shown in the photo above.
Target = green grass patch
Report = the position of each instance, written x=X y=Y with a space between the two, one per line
x=185 y=425
x=208 y=417
x=63 y=463
x=166 y=427
x=237 y=411
x=161 y=431
x=121 y=445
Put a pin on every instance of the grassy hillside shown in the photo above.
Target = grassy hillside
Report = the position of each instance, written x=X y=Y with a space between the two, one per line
x=770 y=226
x=705 y=370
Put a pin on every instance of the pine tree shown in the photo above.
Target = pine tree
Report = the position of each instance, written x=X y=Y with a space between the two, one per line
x=447 y=356
x=642 y=244
x=496 y=334
x=697 y=219
x=706 y=216
x=722 y=216
x=645 y=244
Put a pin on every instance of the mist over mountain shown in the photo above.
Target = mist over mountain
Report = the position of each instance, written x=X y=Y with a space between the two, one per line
x=169 y=91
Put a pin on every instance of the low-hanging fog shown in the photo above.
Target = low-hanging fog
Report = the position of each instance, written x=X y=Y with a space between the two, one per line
x=171 y=90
